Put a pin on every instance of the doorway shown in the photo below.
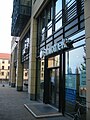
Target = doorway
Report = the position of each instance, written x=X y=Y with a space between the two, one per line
x=54 y=87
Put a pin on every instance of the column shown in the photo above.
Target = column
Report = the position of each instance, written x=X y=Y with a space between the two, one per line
x=32 y=59
x=87 y=35
x=19 y=72
x=12 y=71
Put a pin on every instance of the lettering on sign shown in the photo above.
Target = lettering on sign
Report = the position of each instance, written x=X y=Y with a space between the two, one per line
x=54 y=48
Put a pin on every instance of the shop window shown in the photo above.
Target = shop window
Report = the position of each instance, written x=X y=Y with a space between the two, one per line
x=40 y=79
x=75 y=77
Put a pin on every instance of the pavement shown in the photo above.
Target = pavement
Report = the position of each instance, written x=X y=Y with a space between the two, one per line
x=15 y=105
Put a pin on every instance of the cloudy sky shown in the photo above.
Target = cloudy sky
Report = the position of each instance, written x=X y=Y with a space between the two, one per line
x=5 y=25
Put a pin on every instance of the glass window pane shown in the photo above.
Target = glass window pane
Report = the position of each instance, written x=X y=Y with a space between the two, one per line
x=54 y=61
x=58 y=14
x=49 y=20
x=58 y=6
x=49 y=29
x=71 y=9
x=75 y=78
x=58 y=25
x=40 y=79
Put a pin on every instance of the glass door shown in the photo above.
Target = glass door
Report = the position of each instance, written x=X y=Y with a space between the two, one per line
x=54 y=87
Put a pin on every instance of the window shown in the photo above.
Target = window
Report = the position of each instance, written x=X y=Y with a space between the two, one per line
x=54 y=61
x=2 y=73
x=25 y=74
x=42 y=75
x=2 y=67
x=8 y=73
x=71 y=9
x=8 y=61
x=3 y=61
x=75 y=77
x=40 y=79
x=58 y=14
x=42 y=25
x=42 y=63
x=49 y=20
x=42 y=69
x=8 y=67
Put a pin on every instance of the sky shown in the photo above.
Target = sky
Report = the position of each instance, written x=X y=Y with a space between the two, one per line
x=5 y=25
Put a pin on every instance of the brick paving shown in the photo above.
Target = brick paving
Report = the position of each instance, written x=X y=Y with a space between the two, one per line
x=12 y=105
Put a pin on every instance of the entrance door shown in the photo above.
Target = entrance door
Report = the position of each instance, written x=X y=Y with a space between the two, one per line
x=54 y=87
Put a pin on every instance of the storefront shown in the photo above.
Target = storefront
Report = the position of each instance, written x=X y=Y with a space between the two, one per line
x=61 y=59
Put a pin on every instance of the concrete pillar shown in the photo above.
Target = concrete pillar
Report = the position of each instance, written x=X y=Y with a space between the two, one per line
x=87 y=35
x=19 y=71
x=32 y=60
x=12 y=71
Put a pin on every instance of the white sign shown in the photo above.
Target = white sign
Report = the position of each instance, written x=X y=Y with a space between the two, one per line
x=56 y=47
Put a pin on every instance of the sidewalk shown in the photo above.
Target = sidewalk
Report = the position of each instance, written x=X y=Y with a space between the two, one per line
x=12 y=106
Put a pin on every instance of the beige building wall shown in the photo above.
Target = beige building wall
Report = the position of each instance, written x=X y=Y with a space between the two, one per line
x=13 y=72
x=19 y=72
x=37 y=6
x=32 y=59
x=13 y=57
x=4 y=73
x=87 y=35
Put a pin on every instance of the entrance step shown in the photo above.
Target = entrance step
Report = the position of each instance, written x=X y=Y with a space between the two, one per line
x=41 y=110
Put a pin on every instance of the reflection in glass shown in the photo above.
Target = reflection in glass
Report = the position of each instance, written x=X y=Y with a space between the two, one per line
x=43 y=34
x=54 y=61
x=58 y=24
x=58 y=6
x=42 y=25
x=75 y=78
x=71 y=9
x=54 y=87
x=49 y=29
x=58 y=14
x=41 y=79
x=49 y=20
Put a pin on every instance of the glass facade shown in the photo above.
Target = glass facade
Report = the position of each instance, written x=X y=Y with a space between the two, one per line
x=53 y=72
x=75 y=78
x=58 y=14
x=54 y=87
x=40 y=79
x=63 y=72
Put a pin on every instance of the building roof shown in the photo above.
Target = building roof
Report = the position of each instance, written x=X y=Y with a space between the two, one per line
x=5 y=56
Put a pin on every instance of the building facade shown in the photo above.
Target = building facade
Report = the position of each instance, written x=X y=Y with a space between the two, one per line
x=4 y=67
x=53 y=46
